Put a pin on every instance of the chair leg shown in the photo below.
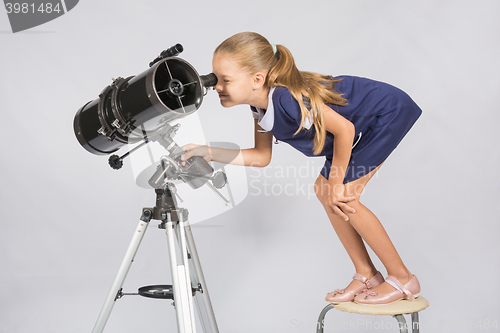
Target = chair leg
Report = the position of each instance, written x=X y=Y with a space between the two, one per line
x=403 y=328
x=415 y=325
x=321 y=320
x=402 y=323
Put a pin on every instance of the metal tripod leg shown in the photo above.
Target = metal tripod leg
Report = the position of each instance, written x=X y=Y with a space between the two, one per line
x=181 y=283
x=120 y=277
x=202 y=298
x=187 y=276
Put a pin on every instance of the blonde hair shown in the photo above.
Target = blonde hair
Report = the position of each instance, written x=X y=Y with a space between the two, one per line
x=311 y=90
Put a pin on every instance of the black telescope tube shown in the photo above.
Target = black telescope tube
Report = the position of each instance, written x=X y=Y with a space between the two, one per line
x=171 y=89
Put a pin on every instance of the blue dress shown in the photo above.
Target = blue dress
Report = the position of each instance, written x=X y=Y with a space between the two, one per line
x=382 y=115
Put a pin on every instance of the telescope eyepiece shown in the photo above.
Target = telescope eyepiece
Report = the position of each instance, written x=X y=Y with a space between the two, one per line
x=209 y=80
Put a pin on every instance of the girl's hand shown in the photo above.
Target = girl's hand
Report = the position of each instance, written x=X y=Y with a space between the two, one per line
x=196 y=150
x=338 y=201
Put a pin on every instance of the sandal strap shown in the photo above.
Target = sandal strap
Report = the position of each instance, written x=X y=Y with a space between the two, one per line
x=360 y=277
x=369 y=283
x=400 y=285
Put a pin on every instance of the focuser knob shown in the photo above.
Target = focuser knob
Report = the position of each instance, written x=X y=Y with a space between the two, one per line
x=115 y=162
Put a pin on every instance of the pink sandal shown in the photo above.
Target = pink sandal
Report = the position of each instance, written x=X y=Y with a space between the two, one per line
x=344 y=296
x=410 y=291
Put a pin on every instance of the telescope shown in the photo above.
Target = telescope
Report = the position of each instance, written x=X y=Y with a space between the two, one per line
x=140 y=108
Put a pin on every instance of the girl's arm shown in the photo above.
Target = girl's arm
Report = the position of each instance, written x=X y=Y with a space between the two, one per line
x=344 y=132
x=259 y=156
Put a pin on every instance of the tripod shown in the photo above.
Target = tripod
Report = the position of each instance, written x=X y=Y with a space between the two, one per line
x=188 y=282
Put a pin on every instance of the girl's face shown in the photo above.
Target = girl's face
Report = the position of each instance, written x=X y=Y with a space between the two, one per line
x=234 y=85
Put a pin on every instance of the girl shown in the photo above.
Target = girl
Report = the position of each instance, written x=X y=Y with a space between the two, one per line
x=354 y=122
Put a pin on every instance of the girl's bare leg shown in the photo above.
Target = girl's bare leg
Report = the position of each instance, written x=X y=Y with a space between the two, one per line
x=364 y=225
x=351 y=240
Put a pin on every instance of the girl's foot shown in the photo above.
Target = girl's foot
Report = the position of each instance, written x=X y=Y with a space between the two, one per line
x=358 y=284
x=409 y=290
x=386 y=287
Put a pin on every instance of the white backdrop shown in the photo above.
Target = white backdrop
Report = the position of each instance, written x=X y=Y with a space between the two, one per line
x=67 y=218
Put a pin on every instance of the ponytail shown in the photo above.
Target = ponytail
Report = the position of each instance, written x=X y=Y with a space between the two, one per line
x=311 y=90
